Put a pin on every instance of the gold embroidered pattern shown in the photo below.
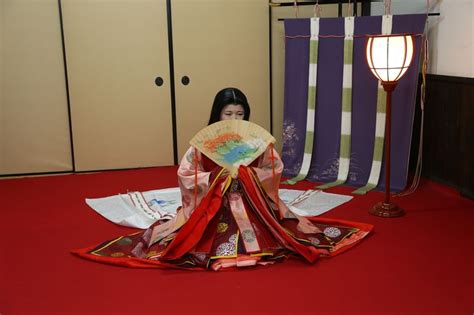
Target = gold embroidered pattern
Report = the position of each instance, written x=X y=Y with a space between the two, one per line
x=222 y=227
x=117 y=254
x=151 y=254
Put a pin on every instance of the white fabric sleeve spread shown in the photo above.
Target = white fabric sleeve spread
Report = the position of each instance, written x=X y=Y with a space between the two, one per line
x=129 y=209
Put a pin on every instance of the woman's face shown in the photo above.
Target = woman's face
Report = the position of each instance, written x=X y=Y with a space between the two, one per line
x=232 y=111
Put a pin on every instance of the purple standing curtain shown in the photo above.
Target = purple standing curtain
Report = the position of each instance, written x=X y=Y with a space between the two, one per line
x=328 y=101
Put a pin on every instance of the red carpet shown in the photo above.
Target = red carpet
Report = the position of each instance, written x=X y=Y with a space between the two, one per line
x=421 y=263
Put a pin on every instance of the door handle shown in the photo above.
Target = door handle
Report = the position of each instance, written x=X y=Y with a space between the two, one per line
x=159 y=81
x=185 y=80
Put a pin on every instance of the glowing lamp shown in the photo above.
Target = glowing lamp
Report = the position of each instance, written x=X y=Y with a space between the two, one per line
x=389 y=57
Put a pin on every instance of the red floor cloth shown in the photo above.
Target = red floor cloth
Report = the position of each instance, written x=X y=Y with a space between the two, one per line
x=421 y=263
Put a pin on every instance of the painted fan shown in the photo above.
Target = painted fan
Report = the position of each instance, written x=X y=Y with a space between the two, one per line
x=231 y=143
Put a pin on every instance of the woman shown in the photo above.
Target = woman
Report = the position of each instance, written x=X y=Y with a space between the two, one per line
x=229 y=222
x=229 y=103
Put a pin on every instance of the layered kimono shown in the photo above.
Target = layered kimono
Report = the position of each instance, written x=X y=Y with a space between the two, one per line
x=229 y=221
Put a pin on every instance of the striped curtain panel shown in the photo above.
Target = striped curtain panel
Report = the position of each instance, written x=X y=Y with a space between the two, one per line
x=379 y=125
x=346 y=107
x=347 y=142
x=311 y=105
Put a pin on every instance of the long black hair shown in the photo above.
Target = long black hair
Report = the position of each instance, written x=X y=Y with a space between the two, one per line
x=225 y=97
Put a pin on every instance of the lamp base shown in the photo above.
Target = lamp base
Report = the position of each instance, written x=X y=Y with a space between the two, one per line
x=387 y=210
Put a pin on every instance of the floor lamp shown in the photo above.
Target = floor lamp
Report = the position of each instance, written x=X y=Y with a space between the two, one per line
x=389 y=57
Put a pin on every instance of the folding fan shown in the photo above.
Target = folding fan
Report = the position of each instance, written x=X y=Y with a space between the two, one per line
x=231 y=143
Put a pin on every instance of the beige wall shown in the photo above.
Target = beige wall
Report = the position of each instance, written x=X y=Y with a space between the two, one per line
x=451 y=38
x=228 y=47
x=115 y=49
x=450 y=35
x=34 y=129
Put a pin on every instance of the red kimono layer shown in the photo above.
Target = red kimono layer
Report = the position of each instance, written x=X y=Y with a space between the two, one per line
x=238 y=222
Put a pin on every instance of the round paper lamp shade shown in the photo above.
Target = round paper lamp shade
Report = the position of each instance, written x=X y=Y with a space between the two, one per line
x=389 y=56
